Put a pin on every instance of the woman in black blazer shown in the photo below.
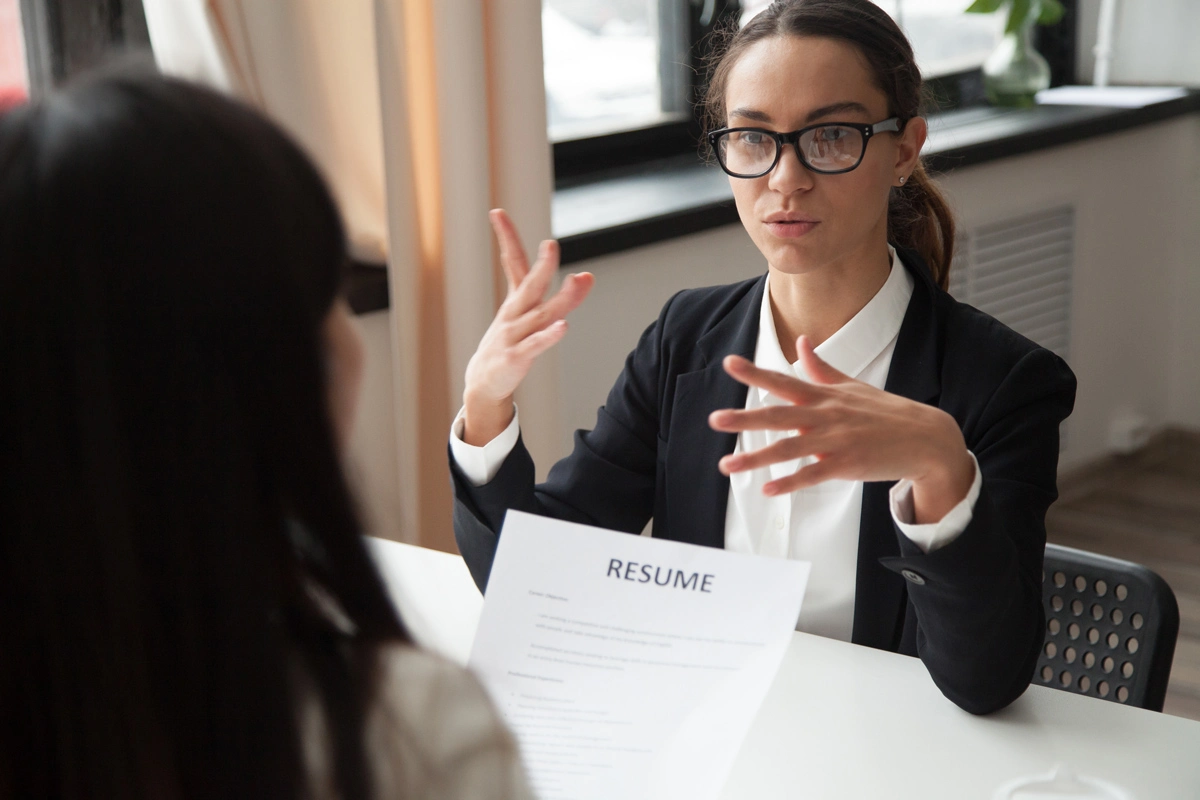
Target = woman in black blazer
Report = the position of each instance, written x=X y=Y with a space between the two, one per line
x=956 y=417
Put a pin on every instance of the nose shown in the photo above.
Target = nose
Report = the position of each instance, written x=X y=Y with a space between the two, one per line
x=790 y=175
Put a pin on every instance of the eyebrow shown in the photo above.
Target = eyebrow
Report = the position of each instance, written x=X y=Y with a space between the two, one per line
x=755 y=115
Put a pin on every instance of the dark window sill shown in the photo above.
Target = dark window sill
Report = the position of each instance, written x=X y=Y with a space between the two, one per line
x=677 y=196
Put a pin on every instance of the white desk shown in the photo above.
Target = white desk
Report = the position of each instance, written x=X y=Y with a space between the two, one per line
x=435 y=594
x=843 y=721
x=849 y=722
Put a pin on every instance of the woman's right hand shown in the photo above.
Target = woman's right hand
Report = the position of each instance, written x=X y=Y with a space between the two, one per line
x=525 y=326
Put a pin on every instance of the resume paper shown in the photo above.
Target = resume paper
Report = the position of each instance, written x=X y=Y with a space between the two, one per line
x=628 y=666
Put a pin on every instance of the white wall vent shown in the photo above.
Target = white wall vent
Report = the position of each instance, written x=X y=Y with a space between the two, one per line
x=1020 y=270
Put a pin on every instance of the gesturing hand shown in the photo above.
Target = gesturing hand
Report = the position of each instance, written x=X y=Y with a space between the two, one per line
x=855 y=431
x=525 y=326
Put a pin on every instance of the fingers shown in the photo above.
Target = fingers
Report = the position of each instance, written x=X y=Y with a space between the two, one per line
x=824 y=470
x=770 y=418
x=572 y=292
x=512 y=253
x=581 y=284
x=537 y=343
x=526 y=285
x=533 y=288
x=817 y=370
x=778 y=384
x=788 y=449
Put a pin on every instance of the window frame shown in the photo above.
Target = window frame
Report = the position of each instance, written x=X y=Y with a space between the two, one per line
x=66 y=37
x=584 y=160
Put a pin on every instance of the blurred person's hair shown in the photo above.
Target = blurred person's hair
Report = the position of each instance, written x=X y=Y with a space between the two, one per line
x=180 y=557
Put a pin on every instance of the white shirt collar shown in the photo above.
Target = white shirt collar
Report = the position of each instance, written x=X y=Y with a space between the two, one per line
x=857 y=343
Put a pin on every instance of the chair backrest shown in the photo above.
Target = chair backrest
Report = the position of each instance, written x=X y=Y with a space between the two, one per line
x=1110 y=628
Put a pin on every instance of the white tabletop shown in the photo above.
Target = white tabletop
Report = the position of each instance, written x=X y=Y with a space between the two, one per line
x=843 y=721
x=435 y=594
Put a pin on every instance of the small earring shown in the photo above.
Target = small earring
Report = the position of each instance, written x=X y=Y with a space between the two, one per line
x=902 y=179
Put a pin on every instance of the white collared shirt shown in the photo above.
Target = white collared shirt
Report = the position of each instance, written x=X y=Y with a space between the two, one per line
x=819 y=524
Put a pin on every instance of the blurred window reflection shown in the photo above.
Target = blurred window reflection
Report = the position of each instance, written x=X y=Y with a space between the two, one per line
x=616 y=65
x=604 y=65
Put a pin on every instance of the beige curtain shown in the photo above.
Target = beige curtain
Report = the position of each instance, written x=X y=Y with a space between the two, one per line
x=399 y=102
x=303 y=63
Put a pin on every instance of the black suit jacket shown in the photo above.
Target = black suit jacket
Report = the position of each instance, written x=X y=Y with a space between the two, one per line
x=971 y=610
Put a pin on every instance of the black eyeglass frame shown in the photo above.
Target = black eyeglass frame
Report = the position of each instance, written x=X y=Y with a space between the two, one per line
x=891 y=124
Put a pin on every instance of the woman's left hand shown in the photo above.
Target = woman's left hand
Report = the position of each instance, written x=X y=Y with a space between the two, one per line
x=855 y=431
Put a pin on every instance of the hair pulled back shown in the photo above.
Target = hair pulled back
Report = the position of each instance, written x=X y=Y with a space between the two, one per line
x=918 y=216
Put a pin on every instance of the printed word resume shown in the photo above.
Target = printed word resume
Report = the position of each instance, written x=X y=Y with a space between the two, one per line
x=628 y=666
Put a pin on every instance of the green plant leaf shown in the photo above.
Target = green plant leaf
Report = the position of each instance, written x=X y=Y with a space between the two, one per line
x=1052 y=12
x=985 y=6
x=1017 y=14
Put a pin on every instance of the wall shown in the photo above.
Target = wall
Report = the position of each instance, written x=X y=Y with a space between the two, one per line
x=1183 y=388
x=631 y=288
x=1153 y=42
x=1137 y=199
x=371 y=463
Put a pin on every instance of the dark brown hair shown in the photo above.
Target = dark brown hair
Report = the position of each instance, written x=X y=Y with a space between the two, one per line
x=918 y=216
x=176 y=528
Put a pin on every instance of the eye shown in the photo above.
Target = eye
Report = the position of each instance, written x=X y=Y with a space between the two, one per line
x=751 y=138
x=831 y=134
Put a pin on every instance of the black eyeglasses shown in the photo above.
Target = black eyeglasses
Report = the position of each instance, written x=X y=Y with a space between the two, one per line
x=829 y=148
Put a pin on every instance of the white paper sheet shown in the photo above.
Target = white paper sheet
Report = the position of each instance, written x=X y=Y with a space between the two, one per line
x=628 y=666
x=1113 y=96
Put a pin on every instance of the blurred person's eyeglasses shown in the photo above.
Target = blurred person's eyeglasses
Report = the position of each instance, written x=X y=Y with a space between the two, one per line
x=829 y=148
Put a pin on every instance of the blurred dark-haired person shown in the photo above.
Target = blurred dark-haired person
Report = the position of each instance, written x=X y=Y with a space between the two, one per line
x=187 y=607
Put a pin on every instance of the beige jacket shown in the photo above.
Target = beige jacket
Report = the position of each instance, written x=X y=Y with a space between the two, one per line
x=434 y=734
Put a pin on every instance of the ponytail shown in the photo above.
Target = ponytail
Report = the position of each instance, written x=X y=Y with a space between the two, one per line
x=919 y=218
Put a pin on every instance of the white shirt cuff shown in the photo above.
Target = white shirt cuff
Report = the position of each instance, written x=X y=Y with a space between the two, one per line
x=936 y=534
x=480 y=464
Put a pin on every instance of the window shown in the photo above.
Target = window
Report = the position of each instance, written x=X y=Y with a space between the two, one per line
x=622 y=76
x=62 y=38
x=612 y=65
x=14 y=81
x=944 y=39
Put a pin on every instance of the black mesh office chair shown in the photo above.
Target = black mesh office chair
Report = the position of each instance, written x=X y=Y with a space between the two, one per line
x=1110 y=628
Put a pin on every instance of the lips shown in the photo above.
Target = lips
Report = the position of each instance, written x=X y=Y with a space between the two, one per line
x=790 y=225
x=789 y=218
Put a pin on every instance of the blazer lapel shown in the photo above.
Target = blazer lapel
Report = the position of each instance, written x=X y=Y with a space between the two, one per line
x=697 y=493
x=915 y=370
x=880 y=594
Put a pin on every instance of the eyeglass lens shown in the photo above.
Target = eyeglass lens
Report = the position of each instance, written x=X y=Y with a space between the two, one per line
x=829 y=148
